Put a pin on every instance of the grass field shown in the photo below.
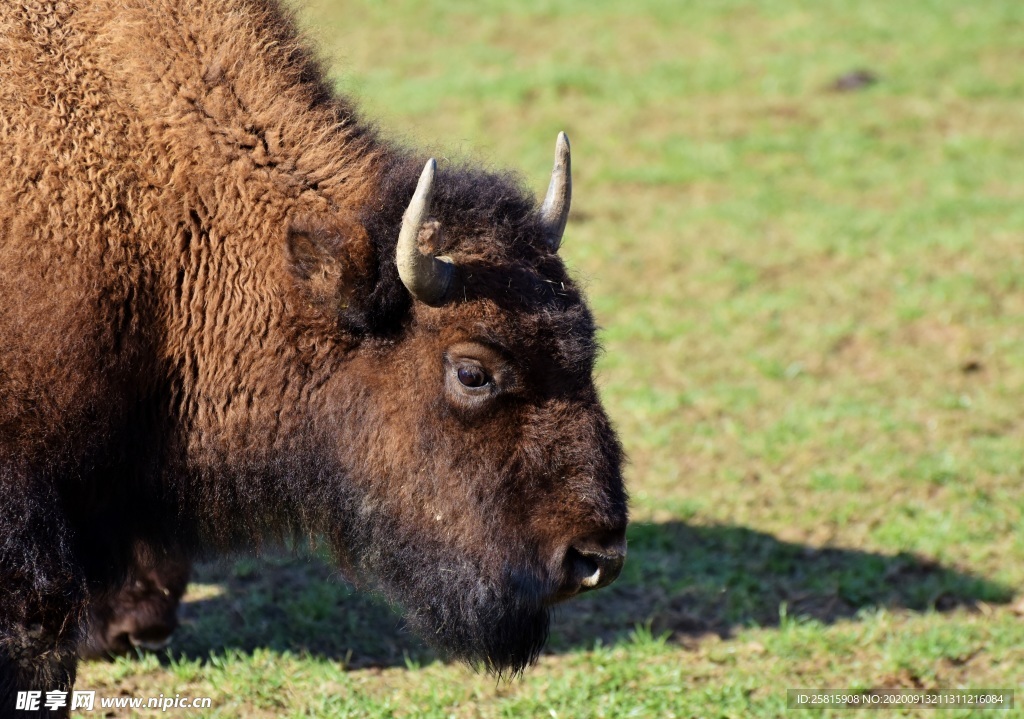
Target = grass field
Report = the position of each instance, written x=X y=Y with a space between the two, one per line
x=813 y=313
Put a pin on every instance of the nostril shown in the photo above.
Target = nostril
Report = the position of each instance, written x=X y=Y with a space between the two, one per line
x=583 y=570
x=592 y=563
x=152 y=638
x=604 y=557
x=593 y=580
x=609 y=567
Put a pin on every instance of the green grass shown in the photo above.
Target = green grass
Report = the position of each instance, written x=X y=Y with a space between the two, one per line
x=812 y=306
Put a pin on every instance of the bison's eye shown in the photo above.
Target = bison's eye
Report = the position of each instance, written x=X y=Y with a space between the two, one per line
x=472 y=376
x=475 y=375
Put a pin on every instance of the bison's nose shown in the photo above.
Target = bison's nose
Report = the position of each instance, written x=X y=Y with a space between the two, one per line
x=594 y=562
x=150 y=644
x=152 y=638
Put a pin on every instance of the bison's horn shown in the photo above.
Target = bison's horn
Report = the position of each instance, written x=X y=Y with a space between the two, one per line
x=427 y=278
x=554 y=213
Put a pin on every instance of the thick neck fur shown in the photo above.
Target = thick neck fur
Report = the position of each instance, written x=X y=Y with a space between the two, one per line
x=242 y=137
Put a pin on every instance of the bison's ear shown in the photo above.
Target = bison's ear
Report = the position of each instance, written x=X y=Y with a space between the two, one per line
x=330 y=264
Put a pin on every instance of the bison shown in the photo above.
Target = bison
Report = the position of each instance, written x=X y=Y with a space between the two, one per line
x=233 y=312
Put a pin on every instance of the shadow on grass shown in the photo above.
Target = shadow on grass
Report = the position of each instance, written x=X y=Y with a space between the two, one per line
x=683 y=580
x=688 y=581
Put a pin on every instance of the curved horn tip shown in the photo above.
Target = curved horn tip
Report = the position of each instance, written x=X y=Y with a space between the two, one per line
x=428 y=278
x=425 y=185
x=555 y=210
x=562 y=144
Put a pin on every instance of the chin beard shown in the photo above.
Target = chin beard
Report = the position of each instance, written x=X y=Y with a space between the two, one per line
x=501 y=627
x=496 y=620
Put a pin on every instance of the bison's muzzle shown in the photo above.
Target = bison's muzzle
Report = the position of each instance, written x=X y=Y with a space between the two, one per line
x=593 y=564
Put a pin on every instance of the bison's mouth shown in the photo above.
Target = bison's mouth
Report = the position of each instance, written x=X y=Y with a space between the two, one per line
x=122 y=643
x=150 y=644
x=136 y=630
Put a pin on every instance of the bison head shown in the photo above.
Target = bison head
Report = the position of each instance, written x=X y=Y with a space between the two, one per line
x=143 y=613
x=485 y=478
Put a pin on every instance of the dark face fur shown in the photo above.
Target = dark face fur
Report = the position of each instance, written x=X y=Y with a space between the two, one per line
x=487 y=478
x=509 y=479
x=142 y=614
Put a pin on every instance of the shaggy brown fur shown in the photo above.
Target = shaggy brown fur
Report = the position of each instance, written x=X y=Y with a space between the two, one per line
x=204 y=341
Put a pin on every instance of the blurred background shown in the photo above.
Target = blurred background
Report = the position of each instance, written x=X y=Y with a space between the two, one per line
x=801 y=227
